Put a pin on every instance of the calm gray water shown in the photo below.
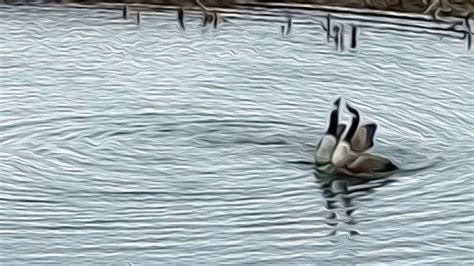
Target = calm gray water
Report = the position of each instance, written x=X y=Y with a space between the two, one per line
x=146 y=144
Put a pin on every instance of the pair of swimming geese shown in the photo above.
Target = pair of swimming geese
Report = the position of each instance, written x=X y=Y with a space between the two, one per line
x=343 y=148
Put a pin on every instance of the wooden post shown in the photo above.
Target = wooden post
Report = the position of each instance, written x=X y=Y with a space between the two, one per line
x=139 y=18
x=207 y=18
x=125 y=11
x=181 y=18
x=328 y=27
x=341 y=38
x=354 y=35
x=469 y=33
x=288 y=27
x=216 y=20
x=469 y=41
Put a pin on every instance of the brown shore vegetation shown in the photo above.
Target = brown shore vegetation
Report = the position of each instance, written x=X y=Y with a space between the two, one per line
x=461 y=8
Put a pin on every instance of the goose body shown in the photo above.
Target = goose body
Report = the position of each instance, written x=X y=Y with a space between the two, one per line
x=342 y=154
x=363 y=139
x=369 y=164
x=328 y=144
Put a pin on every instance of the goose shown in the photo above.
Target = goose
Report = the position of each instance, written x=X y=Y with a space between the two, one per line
x=349 y=157
x=363 y=138
x=329 y=140
x=357 y=139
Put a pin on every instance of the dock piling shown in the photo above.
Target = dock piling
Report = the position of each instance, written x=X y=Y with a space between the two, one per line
x=336 y=36
x=125 y=11
x=328 y=28
x=181 y=18
x=341 y=38
x=216 y=20
x=354 y=36
x=469 y=41
x=288 y=26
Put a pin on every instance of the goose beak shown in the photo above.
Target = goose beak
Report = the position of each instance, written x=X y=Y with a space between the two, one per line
x=337 y=102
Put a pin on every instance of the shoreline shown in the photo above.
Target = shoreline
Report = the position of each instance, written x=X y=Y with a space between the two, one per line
x=434 y=8
x=444 y=26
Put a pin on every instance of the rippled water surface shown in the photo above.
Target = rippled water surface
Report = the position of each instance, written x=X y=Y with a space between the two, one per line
x=141 y=144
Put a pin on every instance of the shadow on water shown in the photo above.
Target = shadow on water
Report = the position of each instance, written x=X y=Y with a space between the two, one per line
x=339 y=193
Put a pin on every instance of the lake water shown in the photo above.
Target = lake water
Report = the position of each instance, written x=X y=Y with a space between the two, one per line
x=124 y=143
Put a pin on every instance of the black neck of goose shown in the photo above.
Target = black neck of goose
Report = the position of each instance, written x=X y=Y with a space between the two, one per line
x=332 y=129
x=353 y=128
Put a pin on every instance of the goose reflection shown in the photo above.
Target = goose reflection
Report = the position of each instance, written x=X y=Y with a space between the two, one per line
x=339 y=193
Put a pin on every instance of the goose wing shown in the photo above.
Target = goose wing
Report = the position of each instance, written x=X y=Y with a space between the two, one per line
x=342 y=154
x=364 y=137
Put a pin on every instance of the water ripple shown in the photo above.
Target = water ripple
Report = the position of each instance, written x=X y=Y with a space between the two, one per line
x=131 y=143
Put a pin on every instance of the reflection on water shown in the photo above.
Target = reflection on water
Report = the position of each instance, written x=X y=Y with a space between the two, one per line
x=339 y=194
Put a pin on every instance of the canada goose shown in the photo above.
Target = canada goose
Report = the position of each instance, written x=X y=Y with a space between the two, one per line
x=363 y=138
x=348 y=155
x=358 y=139
x=328 y=142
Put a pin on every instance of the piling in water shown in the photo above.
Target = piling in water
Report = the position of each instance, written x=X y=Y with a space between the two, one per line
x=467 y=22
x=328 y=28
x=469 y=41
x=206 y=19
x=216 y=20
x=341 y=37
x=354 y=35
x=181 y=18
x=469 y=33
x=125 y=12
x=288 y=26
x=139 y=18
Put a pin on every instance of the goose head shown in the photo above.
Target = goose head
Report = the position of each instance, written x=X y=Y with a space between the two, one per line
x=334 y=118
x=337 y=102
